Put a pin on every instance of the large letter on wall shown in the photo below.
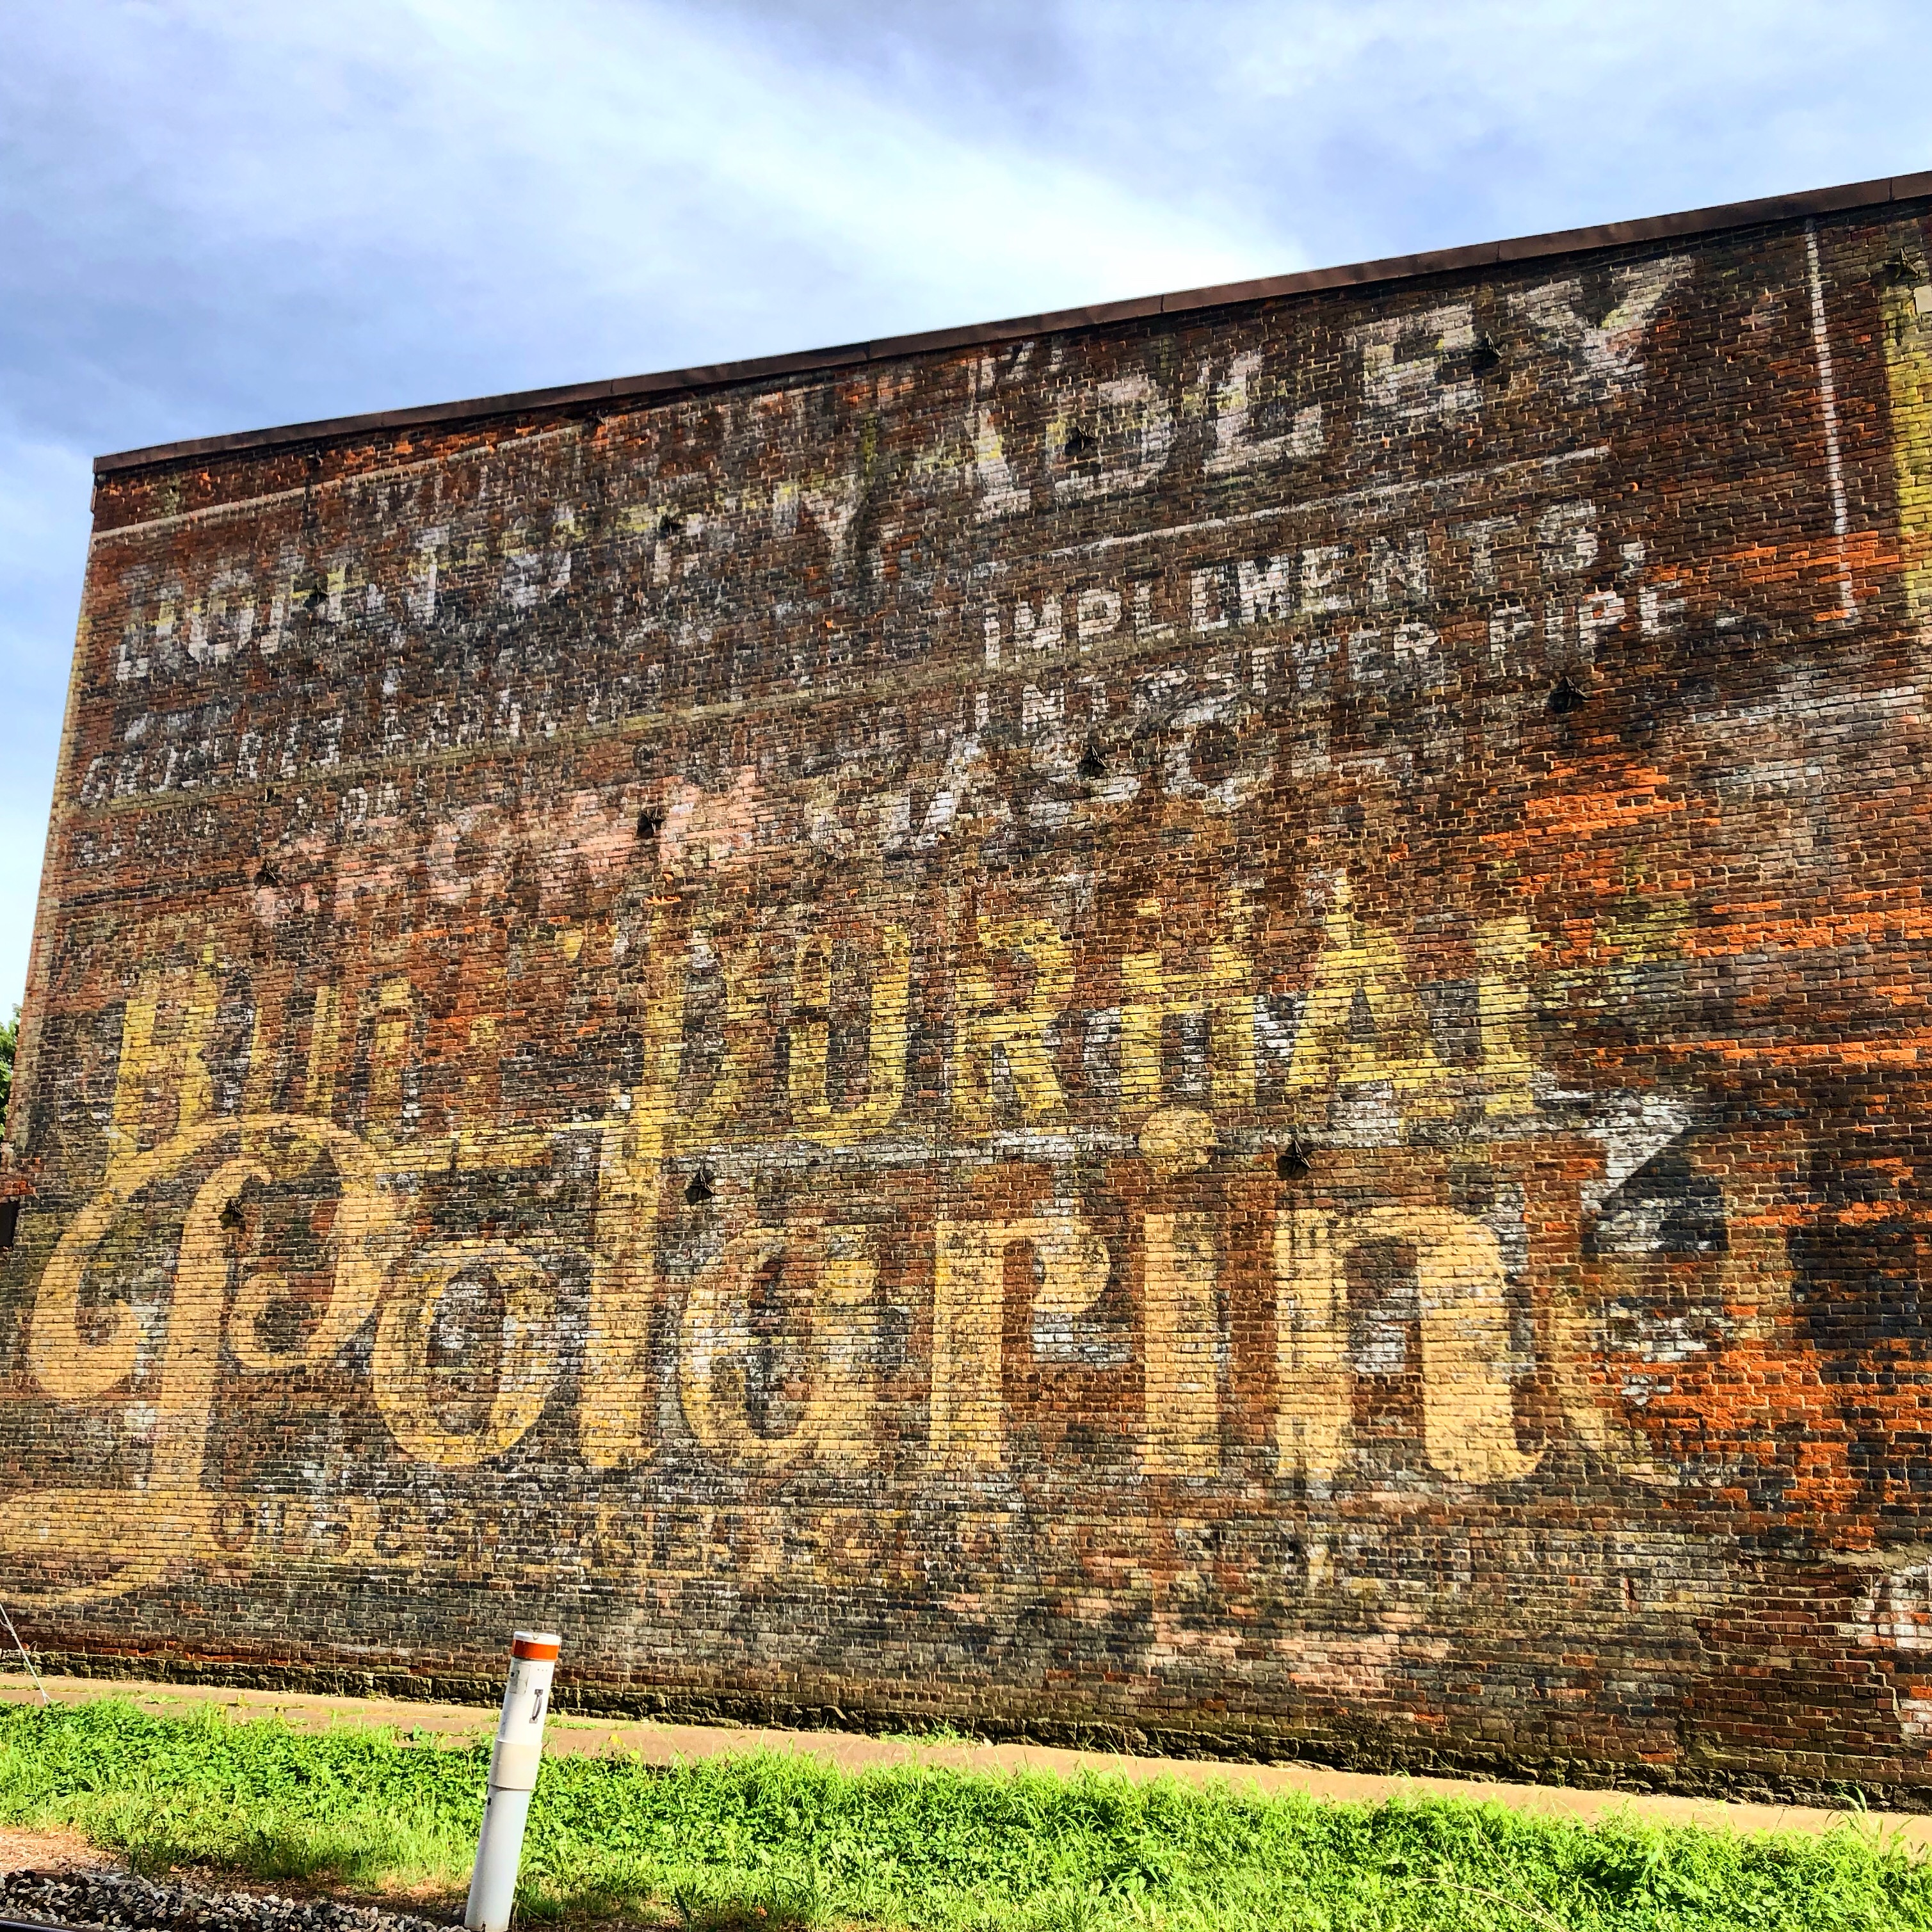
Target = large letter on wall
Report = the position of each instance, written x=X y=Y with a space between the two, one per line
x=1467 y=1416
x=75 y=1358
x=744 y=1030
x=968 y=1305
x=1358 y=958
x=1236 y=446
x=159 y=1062
x=1129 y=408
x=1907 y=335
x=810 y=1038
x=1152 y=990
x=717 y=1344
x=414 y=1392
x=1314 y=1387
x=1503 y=946
x=614 y=1423
x=986 y=1027
x=999 y=495
x=1181 y=1346
x=844 y=1343
x=392 y=1044
x=1414 y=387
x=968 y=1319
x=1604 y=358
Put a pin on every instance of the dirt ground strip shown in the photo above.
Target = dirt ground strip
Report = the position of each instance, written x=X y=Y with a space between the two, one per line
x=54 y=1850
x=665 y=1744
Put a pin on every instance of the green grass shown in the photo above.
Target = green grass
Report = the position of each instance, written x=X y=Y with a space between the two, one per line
x=768 y=1841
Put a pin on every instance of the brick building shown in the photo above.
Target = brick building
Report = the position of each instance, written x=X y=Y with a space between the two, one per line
x=1196 y=1022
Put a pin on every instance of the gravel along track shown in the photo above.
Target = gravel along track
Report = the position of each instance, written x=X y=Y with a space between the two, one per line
x=116 y=1902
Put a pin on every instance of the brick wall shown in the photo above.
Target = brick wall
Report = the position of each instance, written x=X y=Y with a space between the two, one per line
x=1202 y=1028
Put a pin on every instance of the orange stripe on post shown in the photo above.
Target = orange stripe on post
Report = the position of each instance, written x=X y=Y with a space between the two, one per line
x=539 y=1649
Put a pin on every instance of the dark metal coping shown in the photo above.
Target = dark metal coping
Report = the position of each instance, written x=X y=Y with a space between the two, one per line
x=759 y=368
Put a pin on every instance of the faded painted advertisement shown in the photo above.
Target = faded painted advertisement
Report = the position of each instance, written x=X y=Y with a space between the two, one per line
x=1207 y=1027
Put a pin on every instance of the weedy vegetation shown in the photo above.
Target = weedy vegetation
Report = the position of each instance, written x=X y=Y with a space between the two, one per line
x=771 y=1841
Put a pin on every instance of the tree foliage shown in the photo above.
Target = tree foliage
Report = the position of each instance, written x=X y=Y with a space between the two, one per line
x=9 y=1033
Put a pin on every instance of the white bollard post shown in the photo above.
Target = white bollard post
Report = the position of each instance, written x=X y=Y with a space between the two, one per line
x=513 y=1776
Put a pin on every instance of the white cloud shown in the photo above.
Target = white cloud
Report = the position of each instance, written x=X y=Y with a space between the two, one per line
x=220 y=214
x=596 y=175
x=43 y=552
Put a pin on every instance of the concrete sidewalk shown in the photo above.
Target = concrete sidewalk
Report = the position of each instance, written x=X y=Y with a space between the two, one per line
x=665 y=1743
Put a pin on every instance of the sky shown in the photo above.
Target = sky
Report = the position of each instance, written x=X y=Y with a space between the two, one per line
x=223 y=216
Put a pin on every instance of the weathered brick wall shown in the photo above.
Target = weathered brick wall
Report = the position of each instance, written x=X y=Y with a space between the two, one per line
x=1205 y=1027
